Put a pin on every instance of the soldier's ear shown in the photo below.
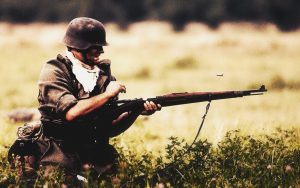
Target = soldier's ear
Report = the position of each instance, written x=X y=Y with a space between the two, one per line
x=77 y=54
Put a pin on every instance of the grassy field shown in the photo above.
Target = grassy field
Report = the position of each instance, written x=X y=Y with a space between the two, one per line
x=151 y=59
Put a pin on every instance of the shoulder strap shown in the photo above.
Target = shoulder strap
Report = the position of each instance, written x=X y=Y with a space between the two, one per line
x=65 y=61
x=68 y=68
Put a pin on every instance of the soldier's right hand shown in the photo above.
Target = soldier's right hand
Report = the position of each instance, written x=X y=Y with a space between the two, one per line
x=114 y=88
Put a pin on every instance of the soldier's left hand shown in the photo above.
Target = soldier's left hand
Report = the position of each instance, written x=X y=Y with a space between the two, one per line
x=150 y=108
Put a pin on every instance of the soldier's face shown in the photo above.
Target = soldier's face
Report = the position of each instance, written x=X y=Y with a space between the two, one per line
x=93 y=54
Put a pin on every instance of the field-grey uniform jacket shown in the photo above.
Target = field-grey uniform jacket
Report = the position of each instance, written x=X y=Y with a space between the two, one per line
x=64 y=143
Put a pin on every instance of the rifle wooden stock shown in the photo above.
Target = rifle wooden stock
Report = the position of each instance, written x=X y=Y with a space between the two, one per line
x=116 y=108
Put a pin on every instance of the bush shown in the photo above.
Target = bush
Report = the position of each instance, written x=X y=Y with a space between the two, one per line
x=278 y=83
x=186 y=62
x=144 y=73
x=237 y=161
x=248 y=161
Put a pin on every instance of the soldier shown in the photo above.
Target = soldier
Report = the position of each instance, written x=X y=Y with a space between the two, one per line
x=72 y=91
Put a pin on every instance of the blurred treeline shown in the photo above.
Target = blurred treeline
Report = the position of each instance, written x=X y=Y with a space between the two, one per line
x=284 y=13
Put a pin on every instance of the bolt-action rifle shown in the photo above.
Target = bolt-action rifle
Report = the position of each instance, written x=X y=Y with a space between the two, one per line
x=117 y=107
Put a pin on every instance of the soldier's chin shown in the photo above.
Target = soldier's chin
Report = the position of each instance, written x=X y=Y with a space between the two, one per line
x=95 y=62
x=92 y=63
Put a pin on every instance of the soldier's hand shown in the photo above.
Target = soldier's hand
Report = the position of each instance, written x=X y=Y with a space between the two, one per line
x=150 y=108
x=114 y=88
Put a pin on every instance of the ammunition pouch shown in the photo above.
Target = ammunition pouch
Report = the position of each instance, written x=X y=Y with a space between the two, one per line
x=28 y=132
x=24 y=150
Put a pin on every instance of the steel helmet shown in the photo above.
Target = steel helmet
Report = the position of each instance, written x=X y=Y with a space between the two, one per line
x=84 y=32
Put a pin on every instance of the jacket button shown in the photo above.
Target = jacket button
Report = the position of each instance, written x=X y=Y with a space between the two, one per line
x=95 y=127
x=95 y=141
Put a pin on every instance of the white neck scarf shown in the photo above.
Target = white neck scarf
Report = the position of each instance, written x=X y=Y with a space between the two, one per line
x=86 y=77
